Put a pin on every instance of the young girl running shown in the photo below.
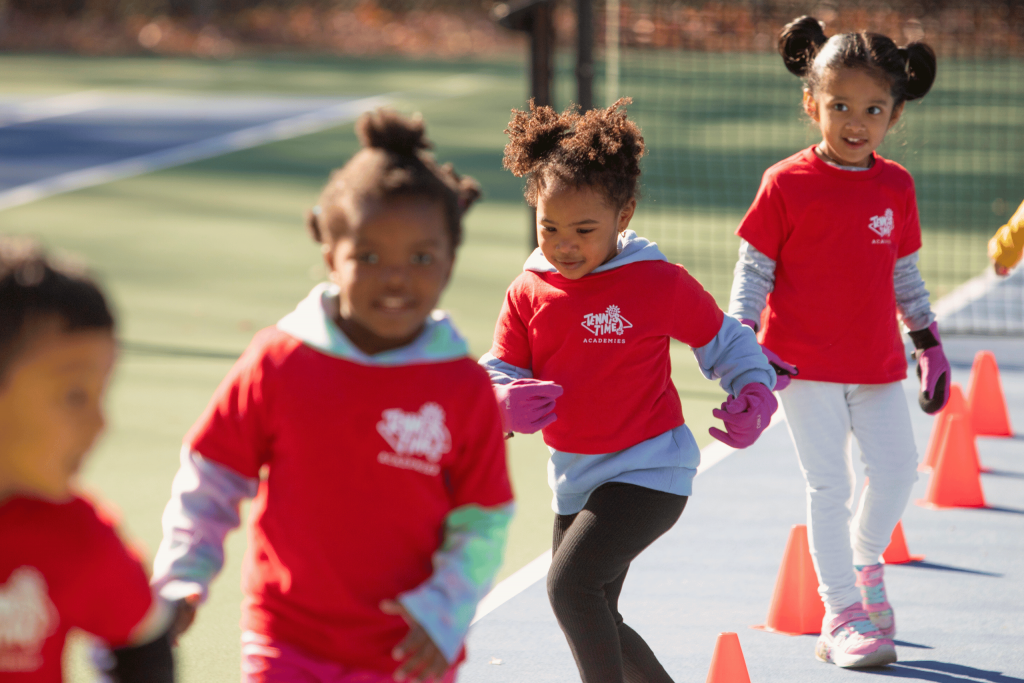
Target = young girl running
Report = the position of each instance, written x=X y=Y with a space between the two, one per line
x=830 y=244
x=361 y=428
x=62 y=564
x=592 y=314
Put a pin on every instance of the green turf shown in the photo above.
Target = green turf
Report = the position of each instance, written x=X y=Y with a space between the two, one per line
x=197 y=258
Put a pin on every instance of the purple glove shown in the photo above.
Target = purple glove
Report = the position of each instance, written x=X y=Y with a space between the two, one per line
x=526 y=405
x=783 y=370
x=745 y=416
x=932 y=369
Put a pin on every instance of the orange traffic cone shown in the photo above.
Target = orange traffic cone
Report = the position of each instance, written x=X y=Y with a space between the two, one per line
x=956 y=481
x=989 y=416
x=796 y=607
x=727 y=664
x=957 y=405
x=897 y=552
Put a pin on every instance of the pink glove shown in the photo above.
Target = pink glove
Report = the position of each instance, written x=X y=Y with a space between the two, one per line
x=932 y=369
x=526 y=405
x=745 y=416
x=783 y=370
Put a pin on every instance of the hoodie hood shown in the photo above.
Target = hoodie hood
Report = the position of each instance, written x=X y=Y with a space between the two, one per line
x=311 y=323
x=631 y=247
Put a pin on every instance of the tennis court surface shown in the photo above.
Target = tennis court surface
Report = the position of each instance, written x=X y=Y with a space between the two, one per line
x=958 y=612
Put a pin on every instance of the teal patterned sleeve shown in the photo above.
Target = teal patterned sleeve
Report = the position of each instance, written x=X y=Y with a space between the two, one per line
x=464 y=568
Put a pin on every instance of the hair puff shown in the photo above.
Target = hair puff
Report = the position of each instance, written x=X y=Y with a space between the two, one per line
x=599 y=148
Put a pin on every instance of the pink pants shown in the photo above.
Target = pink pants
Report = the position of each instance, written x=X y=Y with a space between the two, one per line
x=268 y=661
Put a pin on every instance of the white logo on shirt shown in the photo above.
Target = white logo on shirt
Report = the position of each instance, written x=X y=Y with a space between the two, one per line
x=609 y=322
x=27 y=618
x=421 y=434
x=882 y=225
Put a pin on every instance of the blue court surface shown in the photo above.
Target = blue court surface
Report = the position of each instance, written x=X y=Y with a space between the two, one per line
x=67 y=142
x=959 y=613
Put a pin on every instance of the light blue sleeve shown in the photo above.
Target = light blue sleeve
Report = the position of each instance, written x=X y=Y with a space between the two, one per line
x=464 y=568
x=501 y=372
x=204 y=507
x=753 y=280
x=734 y=357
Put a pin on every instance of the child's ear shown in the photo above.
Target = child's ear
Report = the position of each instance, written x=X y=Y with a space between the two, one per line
x=810 y=105
x=626 y=214
x=897 y=112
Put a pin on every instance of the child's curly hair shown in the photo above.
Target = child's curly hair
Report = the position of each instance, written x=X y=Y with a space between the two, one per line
x=392 y=164
x=600 y=148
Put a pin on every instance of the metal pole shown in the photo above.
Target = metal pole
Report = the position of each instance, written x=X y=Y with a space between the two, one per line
x=585 y=53
x=611 y=52
x=542 y=48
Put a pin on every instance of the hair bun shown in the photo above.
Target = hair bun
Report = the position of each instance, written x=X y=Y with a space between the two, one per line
x=921 y=69
x=535 y=135
x=799 y=42
x=392 y=132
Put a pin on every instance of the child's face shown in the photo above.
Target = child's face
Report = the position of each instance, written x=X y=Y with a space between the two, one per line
x=51 y=410
x=576 y=229
x=391 y=265
x=854 y=111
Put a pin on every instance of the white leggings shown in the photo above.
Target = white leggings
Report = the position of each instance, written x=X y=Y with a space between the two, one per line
x=822 y=416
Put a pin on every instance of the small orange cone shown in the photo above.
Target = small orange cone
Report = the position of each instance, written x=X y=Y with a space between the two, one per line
x=727 y=664
x=956 y=481
x=796 y=608
x=985 y=399
x=897 y=552
x=957 y=405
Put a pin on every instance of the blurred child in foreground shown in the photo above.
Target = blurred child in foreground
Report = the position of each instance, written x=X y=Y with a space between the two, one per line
x=62 y=565
x=369 y=439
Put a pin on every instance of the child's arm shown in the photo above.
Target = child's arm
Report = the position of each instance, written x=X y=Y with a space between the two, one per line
x=464 y=567
x=914 y=308
x=526 y=405
x=753 y=280
x=1007 y=245
x=204 y=507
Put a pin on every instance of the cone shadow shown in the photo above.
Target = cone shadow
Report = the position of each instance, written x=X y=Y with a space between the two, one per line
x=950 y=568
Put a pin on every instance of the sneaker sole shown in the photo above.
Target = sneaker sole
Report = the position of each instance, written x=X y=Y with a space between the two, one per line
x=886 y=654
x=882 y=656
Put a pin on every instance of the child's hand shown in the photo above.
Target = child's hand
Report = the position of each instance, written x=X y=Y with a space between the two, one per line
x=745 y=416
x=783 y=371
x=1001 y=270
x=423 y=660
x=184 y=615
x=527 y=405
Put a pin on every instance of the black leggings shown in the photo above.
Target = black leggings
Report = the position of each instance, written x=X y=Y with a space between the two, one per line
x=591 y=553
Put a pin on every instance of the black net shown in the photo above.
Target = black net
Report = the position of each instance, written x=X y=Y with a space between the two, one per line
x=718 y=107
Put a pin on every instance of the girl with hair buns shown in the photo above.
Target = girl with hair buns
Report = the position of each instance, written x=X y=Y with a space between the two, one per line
x=828 y=258
x=368 y=438
x=591 y=316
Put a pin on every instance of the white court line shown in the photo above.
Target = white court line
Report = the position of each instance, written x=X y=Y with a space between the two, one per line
x=302 y=124
x=710 y=455
x=52 y=107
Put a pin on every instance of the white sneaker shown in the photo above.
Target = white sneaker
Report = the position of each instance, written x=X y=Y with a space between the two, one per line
x=850 y=640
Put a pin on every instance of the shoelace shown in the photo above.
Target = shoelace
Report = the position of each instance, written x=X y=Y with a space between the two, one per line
x=875 y=595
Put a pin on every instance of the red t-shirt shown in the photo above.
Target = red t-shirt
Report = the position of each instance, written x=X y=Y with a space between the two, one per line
x=363 y=464
x=62 y=566
x=835 y=236
x=605 y=339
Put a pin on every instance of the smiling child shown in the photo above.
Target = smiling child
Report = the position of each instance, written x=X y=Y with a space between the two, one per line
x=368 y=438
x=827 y=259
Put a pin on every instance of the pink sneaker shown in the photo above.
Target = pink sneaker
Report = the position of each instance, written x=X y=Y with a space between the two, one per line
x=850 y=640
x=876 y=604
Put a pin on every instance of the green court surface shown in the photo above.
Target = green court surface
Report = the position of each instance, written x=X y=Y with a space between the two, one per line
x=199 y=257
